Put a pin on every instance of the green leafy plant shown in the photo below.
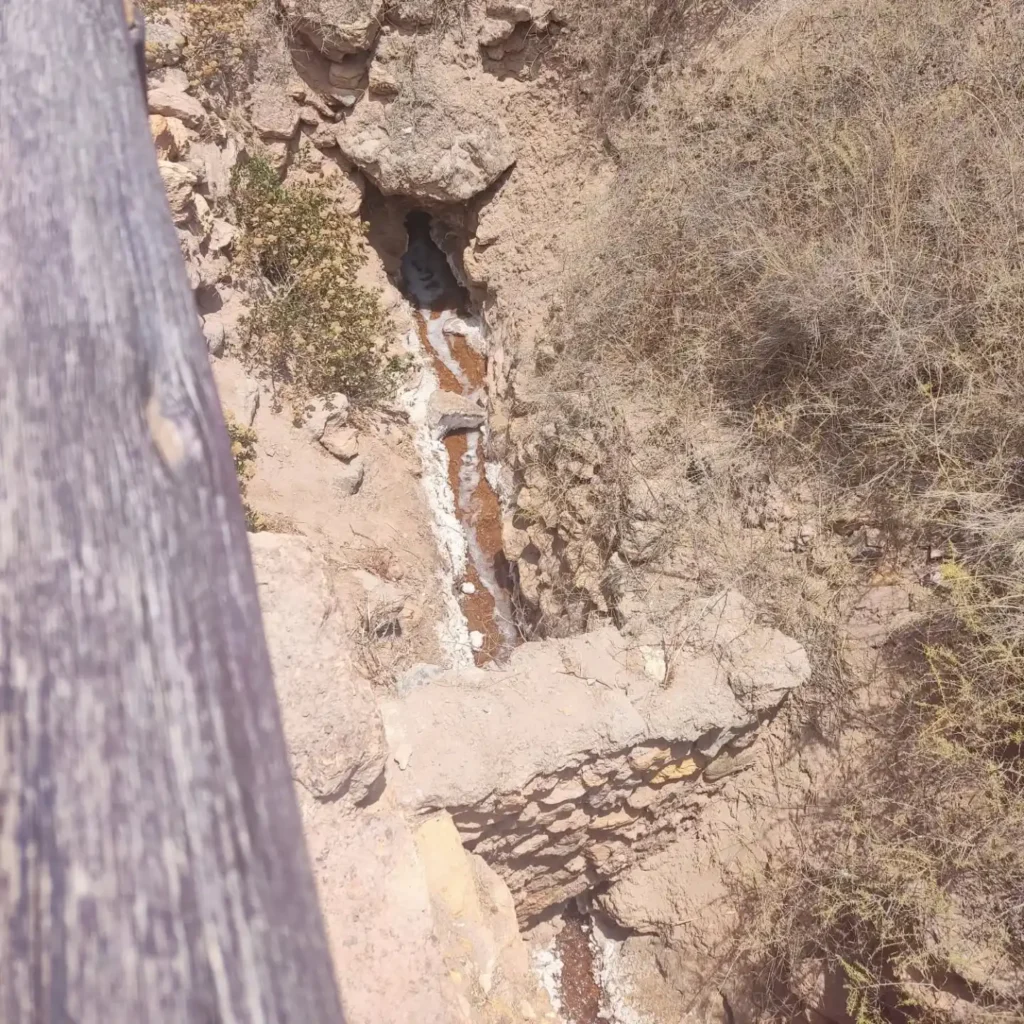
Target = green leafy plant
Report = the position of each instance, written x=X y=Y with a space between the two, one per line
x=312 y=328
x=243 y=451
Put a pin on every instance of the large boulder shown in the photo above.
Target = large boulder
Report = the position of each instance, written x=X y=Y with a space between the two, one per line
x=330 y=716
x=275 y=115
x=165 y=40
x=419 y=929
x=448 y=411
x=179 y=184
x=441 y=139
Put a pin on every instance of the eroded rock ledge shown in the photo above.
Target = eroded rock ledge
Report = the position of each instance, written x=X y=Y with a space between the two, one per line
x=583 y=755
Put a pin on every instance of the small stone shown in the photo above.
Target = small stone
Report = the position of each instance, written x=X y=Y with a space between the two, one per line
x=448 y=412
x=510 y=803
x=530 y=845
x=215 y=335
x=216 y=164
x=468 y=588
x=642 y=798
x=341 y=442
x=476 y=639
x=203 y=218
x=402 y=756
x=606 y=799
x=162 y=138
x=577 y=820
x=728 y=764
x=617 y=819
x=458 y=327
x=685 y=769
x=165 y=45
x=179 y=183
x=222 y=234
x=169 y=96
x=569 y=846
x=494 y=32
x=274 y=114
x=531 y=813
x=321 y=413
x=347 y=97
x=349 y=477
x=382 y=82
x=278 y=154
x=348 y=72
x=564 y=792
x=645 y=758
x=591 y=777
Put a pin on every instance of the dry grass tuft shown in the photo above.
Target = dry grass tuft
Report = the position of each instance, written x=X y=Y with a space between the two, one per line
x=819 y=249
x=615 y=51
x=829 y=247
x=243 y=451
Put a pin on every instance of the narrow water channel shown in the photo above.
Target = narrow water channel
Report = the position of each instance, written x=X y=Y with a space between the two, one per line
x=440 y=311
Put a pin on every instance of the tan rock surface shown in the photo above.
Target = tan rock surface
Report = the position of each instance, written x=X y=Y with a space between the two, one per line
x=329 y=712
x=572 y=743
x=384 y=527
x=443 y=138
x=336 y=27
x=168 y=95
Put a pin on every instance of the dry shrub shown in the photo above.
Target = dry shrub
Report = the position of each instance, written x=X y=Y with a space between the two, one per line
x=819 y=247
x=826 y=244
x=311 y=328
x=910 y=884
x=615 y=50
x=243 y=451
x=222 y=42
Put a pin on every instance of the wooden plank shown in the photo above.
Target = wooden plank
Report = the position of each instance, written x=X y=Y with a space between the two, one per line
x=152 y=866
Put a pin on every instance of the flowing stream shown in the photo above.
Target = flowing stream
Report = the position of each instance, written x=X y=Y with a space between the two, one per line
x=456 y=352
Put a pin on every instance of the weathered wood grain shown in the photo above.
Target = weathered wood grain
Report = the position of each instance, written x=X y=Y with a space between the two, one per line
x=152 y=866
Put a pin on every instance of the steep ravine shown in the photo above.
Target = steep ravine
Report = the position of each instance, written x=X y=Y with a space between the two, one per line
x=455 y=352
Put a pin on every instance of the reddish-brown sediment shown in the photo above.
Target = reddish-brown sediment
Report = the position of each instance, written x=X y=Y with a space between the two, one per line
x=581 y=995
x=480 y=512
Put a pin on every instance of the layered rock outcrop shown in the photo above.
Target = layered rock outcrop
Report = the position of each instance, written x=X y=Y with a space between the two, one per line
x=583 y=755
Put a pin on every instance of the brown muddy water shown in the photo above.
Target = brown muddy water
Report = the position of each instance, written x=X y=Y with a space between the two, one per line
x=440 y=305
